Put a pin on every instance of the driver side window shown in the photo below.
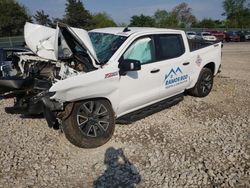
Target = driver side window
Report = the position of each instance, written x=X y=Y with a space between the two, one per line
x=141 y=50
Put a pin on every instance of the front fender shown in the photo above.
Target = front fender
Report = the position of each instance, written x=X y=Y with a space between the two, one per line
x=95 y=84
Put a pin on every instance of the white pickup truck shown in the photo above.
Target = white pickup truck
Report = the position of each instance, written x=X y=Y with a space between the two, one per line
x=84 y=81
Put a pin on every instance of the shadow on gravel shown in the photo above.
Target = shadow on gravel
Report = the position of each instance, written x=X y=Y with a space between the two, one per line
x=120 y=171
x=24 y=116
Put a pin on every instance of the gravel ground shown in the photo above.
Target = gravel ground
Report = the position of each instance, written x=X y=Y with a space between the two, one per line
x=197 y=143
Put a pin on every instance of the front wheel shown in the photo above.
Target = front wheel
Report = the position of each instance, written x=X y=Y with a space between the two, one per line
x=204 y=84
x=91 y=123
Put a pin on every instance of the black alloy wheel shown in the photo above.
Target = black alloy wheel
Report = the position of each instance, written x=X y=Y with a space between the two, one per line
x=204 y=84
x=93 y=119
x=91 y=123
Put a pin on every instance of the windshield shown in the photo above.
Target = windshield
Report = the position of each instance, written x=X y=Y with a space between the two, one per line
x=105 y=45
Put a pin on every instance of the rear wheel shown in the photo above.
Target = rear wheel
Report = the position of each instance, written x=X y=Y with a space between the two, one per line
x=204 y=84
x=91 y=123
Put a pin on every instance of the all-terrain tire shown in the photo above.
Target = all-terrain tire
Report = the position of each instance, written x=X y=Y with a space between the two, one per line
x=91 y=123
x=204 y=84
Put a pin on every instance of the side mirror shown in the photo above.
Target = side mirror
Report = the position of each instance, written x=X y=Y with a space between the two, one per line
x=129 y=65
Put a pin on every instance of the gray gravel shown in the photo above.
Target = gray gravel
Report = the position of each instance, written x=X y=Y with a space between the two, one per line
x=197 y=143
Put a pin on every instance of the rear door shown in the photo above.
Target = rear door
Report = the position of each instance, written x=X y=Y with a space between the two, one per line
x=176 y=65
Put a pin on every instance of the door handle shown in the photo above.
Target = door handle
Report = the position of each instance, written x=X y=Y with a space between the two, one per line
x=186 y=63
x=155 y=70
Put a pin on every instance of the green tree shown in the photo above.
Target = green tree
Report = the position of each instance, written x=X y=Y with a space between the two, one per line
x=76 y=15
x=102 y=19
x=219 y=23
x=180 y=16
x=246 y=16
x=165 y=19
x=161 y=18
x=184 y=15
x=12 y=18
x=42 y=18
x=142 y=21
x=206 y=23
x=236 y=12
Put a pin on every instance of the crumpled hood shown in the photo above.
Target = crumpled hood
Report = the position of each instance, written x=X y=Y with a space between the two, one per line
x=43 y=40
x=40 y=39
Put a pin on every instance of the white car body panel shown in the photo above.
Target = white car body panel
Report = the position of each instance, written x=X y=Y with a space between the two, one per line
x=191 y=34
x=40 y=39
x=247 y=37
x=141 y=88
x=94 y=84
x=83 y=37
x=136 y=89
x=208 y=36
x=204 y=56
x=43 y=40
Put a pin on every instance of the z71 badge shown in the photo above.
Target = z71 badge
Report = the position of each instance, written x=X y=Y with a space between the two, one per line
x=112 y=74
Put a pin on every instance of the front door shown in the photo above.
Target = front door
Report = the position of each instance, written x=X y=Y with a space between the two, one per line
x=137 y=87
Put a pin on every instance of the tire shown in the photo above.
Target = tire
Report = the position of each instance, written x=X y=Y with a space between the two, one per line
x=91 y=123
x=204 y=84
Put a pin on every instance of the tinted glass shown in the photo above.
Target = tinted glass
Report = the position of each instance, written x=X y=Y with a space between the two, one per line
x=170 y=46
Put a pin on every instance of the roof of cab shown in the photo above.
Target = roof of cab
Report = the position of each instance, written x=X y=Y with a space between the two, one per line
x=131 y=30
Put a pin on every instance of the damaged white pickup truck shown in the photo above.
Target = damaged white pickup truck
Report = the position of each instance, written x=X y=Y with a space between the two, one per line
x=83 y=81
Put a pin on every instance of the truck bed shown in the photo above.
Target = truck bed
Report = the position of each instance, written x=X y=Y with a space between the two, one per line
x=198 y=44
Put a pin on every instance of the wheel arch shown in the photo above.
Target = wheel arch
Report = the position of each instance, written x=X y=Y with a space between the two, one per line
x=99 y=98
x=211 y=66
x=70 y=105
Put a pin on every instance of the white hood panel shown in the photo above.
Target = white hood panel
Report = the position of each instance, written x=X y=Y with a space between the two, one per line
x=40 y=40
x=84 y=38
x=43 y=40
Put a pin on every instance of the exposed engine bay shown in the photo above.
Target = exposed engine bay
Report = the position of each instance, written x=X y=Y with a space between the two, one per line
x=57 y=72
x=27 y=65
x=29 y=77
x=63 y=78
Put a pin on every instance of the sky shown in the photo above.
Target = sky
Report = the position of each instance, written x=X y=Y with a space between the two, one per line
x=122 y=10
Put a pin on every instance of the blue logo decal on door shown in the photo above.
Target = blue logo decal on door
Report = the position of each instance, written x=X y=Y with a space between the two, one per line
x=175 y=77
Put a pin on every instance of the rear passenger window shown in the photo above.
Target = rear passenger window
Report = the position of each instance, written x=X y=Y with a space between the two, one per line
x=170 y=46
